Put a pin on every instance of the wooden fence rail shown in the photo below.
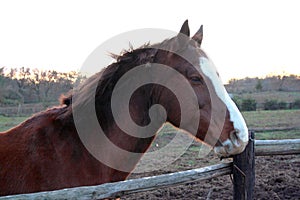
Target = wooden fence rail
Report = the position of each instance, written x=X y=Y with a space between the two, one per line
x=118 y=189
x=277 y=147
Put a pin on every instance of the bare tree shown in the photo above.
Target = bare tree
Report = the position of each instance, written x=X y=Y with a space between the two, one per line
x=36 y=85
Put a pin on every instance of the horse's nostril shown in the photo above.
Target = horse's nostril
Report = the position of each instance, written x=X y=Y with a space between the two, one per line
x=234 y=138
x=219 y=143
x=234 y=133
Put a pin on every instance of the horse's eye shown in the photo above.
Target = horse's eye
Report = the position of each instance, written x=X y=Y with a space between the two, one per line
x=197 y=80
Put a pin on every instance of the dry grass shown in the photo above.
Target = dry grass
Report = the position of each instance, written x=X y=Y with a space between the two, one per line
x=9 y=122
x=254 y=119
x=261 y=97
x=272 y=119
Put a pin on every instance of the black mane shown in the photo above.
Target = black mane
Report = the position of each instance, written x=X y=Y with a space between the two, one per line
x=108 y=77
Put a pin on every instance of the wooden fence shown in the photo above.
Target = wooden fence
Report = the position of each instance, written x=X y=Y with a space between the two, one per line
x=242 y=168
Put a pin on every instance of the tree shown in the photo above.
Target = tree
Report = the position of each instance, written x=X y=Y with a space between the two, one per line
x=26 y=85
x=248 y=104
x=2 y=89
x=271 y=105
x=258 y=85
x=18 y=77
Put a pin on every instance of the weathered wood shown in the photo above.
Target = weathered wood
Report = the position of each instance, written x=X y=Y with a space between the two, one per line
x=118 y=189
x=270 y=129
x=244 y=172
x=277 y=147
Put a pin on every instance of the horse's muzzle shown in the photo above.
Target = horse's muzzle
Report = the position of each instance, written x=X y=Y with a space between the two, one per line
x=233 y=145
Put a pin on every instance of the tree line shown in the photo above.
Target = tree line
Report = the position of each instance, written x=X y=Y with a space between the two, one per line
x=250 y=104
x=287 y=83
x=26 y=85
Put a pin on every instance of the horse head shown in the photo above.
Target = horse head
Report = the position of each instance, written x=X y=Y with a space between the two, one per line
x=218 y=120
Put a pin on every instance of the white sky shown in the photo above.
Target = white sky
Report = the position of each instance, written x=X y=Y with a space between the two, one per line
x=243 y=38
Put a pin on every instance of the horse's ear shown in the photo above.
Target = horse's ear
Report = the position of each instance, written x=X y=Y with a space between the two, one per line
x=183 y=36
x=182 y=39
x=198 y=36
x=66 y=100
x=185 y=28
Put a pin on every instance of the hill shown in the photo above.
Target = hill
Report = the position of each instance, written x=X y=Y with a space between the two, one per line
x=271 y=83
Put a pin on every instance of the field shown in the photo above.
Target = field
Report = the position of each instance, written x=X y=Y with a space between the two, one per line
x=277 y=177
x=9 y=122
x=277 y=124
x=261 y=97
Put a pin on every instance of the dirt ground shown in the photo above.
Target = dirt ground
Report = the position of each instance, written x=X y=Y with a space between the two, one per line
x=277 y=177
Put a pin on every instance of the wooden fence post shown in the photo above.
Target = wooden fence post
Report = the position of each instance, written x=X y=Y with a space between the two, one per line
x=244 y=172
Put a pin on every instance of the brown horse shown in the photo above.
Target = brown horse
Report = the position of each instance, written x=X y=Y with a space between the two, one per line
x=47 y=151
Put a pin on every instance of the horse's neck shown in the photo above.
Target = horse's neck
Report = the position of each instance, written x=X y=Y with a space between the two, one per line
x=135 y=141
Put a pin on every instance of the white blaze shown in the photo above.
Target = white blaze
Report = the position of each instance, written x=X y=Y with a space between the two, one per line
x=236 y=117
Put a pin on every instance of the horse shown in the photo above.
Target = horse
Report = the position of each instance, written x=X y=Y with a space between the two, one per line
x=47 y=152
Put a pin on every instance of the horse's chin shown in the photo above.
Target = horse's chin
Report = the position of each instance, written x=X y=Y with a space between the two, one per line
x=223 y=152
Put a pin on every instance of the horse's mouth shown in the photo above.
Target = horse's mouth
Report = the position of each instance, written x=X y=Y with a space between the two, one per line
x=232 y=146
